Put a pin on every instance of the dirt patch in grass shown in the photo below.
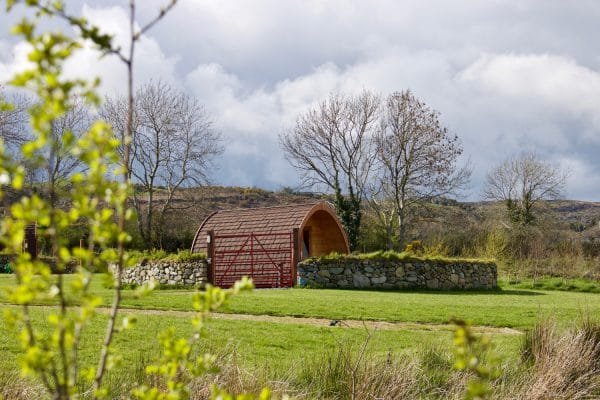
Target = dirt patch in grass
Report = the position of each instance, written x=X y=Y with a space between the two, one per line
x=354 y=324
x=324 y=322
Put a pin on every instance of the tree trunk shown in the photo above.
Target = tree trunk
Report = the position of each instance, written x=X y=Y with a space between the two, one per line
x=401 y=228
x=389 y=235
x=149 y=239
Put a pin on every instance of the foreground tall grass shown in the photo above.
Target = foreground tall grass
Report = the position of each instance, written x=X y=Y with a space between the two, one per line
x=552 y=364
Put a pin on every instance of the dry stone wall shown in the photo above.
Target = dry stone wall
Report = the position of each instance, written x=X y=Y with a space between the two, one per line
x=386 y=274
x=191 y=273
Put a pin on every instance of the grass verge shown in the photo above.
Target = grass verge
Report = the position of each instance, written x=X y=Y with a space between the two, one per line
x=509 y=307
x=554 y=283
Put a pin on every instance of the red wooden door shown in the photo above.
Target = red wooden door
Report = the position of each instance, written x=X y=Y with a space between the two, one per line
x=265 y=257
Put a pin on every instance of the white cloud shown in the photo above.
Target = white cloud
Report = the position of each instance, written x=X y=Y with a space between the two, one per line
x=548 y=80
x=13 y=60
x=498 y=104
x=583 y=178
x=257 y=65
x=150 y=62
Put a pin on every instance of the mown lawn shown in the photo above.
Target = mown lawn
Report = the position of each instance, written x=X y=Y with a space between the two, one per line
x=277 y=347
x=280 y=347
x=508 y=307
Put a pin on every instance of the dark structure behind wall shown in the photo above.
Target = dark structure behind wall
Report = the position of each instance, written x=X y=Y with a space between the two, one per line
x=30 y=242
x=266 y=244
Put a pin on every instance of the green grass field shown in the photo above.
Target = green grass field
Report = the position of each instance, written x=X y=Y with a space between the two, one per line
x=508 y=307
x=279 y=344
x=282 y=346
x=274 y=349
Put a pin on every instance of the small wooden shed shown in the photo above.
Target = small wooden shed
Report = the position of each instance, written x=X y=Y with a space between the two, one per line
x=266 y=243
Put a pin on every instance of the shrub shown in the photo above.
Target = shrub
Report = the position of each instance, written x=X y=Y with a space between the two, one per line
x=5 y=268
x=591 y=249
x=5 y=263
x=415 y=247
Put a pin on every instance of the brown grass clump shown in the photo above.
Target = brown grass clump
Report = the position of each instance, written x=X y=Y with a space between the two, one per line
x=237 y=379
x=538 y=341
x=564 y=366
x=14 y=386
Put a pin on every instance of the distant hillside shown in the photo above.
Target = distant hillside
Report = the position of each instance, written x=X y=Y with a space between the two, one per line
x=193 y=205
x=580 y=220
x=579 y=217
x=197 y=203
x=574 y=215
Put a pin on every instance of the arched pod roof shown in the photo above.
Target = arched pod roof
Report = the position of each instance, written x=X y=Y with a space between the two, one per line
x=275 y=219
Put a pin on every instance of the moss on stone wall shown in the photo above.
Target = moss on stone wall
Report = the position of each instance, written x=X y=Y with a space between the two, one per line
x=394 y=256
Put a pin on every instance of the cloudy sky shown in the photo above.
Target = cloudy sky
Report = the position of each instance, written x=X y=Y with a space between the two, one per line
x=507 y=76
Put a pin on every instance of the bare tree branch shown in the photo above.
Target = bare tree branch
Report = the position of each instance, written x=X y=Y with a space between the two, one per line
x=416 y=158
x=522 y=182
x=331 y=146
x=14 y=120
x=173 y=145
x=162 y=12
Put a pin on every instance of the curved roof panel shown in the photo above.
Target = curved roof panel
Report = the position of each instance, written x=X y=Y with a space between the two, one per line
x=275 y=219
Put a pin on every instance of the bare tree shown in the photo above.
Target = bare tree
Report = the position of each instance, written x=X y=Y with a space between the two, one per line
x=115 y=110
x=331 y=146
x=57 y=163
x=61 y=163
x=522 y=182
x=173 y=145
x=384 y=208
x=14 y=119
x=416 y=158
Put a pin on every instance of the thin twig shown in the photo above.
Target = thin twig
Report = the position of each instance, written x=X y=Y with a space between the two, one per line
x=163 y=11
x=110 y=330
x=75 y=22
